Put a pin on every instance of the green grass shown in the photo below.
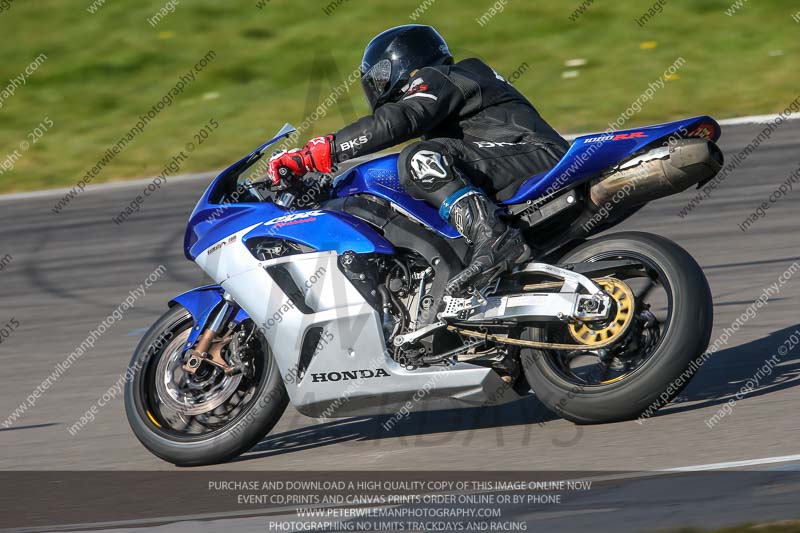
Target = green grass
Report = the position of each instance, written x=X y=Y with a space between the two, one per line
x=105 y=69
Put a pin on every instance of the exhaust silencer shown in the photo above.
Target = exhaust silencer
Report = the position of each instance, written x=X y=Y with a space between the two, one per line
x=658 y=173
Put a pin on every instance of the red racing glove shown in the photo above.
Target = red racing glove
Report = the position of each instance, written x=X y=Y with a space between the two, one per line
x=316 y=156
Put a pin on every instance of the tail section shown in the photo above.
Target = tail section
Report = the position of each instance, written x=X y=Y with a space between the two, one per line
x=591 y=155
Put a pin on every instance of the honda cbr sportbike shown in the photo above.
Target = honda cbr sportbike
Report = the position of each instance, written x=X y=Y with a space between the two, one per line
x=331 y=294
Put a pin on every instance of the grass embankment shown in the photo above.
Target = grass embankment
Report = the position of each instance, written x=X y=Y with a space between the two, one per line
x=104 y=70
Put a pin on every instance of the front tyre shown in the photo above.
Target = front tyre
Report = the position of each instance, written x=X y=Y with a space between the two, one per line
x=208 y=417
x=673 y=313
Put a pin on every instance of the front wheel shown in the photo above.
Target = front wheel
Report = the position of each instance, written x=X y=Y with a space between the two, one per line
x=206 y=417
x=672 y=317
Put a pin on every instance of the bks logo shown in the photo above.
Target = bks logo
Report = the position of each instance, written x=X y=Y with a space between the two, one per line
x=355 y=143
x=348 y=375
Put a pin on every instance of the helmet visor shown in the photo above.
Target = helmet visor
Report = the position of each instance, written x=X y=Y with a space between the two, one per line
x=376 y=81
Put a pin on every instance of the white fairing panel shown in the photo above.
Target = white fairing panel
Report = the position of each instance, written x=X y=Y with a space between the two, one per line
x=348 y=372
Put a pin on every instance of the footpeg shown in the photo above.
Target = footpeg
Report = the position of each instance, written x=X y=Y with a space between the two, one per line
x=414 y=336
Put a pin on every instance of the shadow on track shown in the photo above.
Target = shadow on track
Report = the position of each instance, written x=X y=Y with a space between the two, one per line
x=424 y=426
x=725 y=374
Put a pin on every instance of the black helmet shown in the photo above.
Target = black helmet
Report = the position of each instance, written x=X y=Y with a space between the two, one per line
x=390 y=58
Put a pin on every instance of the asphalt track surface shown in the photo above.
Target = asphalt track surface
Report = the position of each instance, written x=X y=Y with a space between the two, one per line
x=69 y=271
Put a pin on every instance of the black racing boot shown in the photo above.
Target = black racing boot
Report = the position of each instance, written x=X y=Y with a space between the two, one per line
x=496 y=246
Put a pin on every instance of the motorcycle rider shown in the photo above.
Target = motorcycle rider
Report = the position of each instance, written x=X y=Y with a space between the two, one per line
x=480 y=137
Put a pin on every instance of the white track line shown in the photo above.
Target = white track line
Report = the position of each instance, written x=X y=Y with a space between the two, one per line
x=625 y=476
x=754 y=119
x=736 y=121
x=735 y=464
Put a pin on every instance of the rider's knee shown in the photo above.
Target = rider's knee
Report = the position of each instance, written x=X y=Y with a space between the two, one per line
x=405 y=163
x=425 y=165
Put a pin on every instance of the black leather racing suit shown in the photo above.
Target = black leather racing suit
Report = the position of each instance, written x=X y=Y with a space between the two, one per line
x=488 y=133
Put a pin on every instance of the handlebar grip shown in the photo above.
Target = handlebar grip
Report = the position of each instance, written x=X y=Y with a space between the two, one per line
x=284 y=173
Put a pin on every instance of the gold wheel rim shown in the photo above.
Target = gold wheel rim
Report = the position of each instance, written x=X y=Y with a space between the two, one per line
x=622 y=295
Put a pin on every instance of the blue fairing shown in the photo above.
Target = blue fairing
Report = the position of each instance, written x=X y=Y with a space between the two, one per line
x=325 y=230
x=212 y=221
x=379 y=177
x=200 y=302
x=592 y=154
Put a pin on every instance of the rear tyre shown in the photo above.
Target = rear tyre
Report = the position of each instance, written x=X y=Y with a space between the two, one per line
x=209 y=419
x=653 y=369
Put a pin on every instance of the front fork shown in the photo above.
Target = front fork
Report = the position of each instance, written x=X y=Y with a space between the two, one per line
x=211 y=342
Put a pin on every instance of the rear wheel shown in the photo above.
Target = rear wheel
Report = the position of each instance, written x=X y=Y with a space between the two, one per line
x=671 y=315
x=206 y=417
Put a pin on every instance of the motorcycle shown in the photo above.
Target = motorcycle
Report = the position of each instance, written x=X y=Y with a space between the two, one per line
x=330 y=293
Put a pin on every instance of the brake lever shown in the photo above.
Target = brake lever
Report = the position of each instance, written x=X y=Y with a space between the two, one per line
x=283 y=180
